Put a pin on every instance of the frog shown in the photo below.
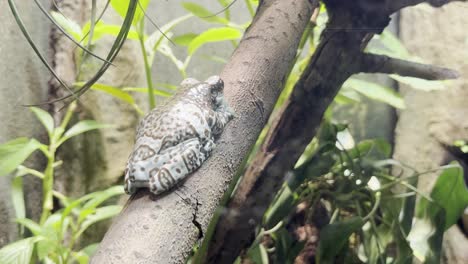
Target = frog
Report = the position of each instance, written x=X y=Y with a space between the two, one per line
x=175 y=139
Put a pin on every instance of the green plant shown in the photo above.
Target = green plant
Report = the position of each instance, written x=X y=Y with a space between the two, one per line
x=365 y=204
x=54 y=236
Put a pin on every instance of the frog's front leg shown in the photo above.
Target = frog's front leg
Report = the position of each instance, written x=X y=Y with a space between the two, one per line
x=184 y=159
x=221 y=117
x=136 y=176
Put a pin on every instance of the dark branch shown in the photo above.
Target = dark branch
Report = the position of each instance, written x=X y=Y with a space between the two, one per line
x=373 y=63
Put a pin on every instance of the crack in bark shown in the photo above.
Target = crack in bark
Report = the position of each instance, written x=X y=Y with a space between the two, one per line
x=195 y=221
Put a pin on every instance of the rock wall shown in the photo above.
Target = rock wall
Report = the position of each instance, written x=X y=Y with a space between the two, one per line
x=437 y=118
x=24 y=81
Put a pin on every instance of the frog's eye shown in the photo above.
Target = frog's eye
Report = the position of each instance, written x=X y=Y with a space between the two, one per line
x=216 y=84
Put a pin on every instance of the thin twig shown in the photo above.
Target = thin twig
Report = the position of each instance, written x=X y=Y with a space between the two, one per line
x=373 y=63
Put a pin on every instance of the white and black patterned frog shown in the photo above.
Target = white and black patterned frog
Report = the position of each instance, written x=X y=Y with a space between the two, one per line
x=175 y=139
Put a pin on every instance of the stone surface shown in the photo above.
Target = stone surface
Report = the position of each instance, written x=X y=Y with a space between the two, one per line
x=24 y=81
x=437 y=118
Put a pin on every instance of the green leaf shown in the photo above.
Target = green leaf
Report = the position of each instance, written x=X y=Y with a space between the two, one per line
x=53 y=230
x=383 y=146
x=154 y=40
x=101 y=213
x=394 y=45
x=280 y=207
x=90 y=249
x=258 y=255
x=450 y=198
x=70 y=26
x=17 y=197
x=347 y=96
x=204 y=14
x=185 y=39
x=45 y=118
x=376 y=92
x=361 y=149
x=81 y=127
x=213 y=35
x=13 y=153
x=100 y=197
x=31 y=225
x=167 y=86
x=286 y=247
x=18 y=252
x=334 y=237
x=145 y=90
x=367 y=146
x=80 y=257
x=101 y=29
x=450 y=193
x=425 y=238
x=114 y=91
x=121 y=7
x=419 y=84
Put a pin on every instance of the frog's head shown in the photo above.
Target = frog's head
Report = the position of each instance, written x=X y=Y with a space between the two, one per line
x=215 y=88
x=211 y=90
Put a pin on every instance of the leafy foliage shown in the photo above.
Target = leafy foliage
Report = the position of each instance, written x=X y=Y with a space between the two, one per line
x=54 y=237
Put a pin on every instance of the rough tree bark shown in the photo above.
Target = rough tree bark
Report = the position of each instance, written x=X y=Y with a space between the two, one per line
x=164 y=229
x=338 y=56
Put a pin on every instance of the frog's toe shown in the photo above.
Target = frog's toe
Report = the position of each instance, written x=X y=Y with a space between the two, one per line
x=129 y=187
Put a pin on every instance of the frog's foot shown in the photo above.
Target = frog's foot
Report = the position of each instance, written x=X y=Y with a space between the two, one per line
x=188 y=158
x=153 y=184
x=208 y=147
x=129 y=187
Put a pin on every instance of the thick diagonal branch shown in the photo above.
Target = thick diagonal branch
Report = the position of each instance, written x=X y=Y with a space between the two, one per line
x=372 y=63
x=162 y=230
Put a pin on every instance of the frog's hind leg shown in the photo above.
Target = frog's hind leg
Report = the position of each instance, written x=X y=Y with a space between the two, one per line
x=183 y=160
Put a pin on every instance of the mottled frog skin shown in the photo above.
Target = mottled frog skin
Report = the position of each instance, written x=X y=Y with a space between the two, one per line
x=175 y=139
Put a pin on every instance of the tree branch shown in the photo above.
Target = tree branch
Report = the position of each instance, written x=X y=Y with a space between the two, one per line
x=373 y=63
x=164 y=229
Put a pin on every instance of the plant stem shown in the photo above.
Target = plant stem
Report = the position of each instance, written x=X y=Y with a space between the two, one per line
x=47 y=185
x=149 y=80
x=250 y=7
x=48 y=177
